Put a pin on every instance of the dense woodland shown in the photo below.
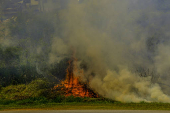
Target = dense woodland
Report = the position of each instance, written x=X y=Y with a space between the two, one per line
x=20 y=63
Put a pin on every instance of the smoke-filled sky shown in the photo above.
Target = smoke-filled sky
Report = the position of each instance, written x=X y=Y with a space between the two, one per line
x=123 y=45
x=118 y=41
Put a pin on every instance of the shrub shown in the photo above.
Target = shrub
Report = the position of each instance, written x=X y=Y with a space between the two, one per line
x=73 y=99
x=11 y=92
x=78 y=99
x=35 y=100
x=37 y=88
x=69 y=98
x=58 y=99
x=0 y=88
x=25 y=102
x=6 y=102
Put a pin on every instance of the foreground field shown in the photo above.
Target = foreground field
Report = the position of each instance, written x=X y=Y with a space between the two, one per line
x=88 y=106
x=36 y=95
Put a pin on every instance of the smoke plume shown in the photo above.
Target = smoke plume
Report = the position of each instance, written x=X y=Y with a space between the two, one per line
x=122 y=45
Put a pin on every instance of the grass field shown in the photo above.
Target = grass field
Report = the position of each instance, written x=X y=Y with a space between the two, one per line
x=102 y=105
x=35 y=96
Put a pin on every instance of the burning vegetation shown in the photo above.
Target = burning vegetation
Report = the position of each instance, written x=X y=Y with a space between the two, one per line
x=122 y=47
x=72 y=85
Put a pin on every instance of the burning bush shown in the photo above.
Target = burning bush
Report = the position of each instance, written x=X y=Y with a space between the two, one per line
x=72 y=85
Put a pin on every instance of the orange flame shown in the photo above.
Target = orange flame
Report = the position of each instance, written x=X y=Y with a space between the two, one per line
x=72 y=83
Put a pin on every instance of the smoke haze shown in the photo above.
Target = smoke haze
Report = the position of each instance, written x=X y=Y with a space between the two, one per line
x=115 y=40
x=122 y=45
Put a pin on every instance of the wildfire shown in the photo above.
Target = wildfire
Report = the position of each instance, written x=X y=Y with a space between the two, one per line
x=72 y=84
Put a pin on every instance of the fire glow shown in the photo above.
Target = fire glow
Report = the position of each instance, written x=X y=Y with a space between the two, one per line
x=72 y=83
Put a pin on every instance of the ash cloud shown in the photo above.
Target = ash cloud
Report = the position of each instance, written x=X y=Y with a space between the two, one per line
x=118 y=41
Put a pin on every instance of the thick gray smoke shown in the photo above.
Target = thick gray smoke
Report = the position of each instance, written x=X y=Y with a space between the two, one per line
x=122 y=45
